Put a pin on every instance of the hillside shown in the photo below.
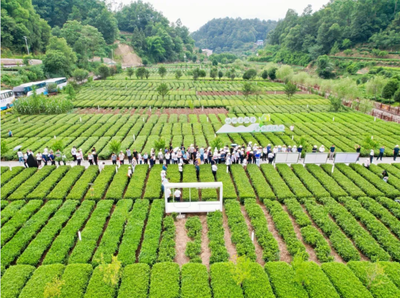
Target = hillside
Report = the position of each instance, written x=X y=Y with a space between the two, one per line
x=232 y=35
x=338 y=26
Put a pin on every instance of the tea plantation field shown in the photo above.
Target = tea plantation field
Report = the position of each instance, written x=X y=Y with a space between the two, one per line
x=345 y=225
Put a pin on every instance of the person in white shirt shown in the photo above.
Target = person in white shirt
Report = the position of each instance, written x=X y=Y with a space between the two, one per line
x=160 y=157
x=177 y=195
x=284 y=149
x=167 y=157
x=180 y=169
x=26 y=160
x=294 y=149
x=228 y=163
x=168 y=194
x=244 y=164
x=129 y=173
x=163 y=175
x=46 y=151
x=39 y=159
x=20 y=156
x=271 y=157
x=79 y=157
x=140 y=159
x=134 y=163
x=292 y=127
x=121 y=157
x=73 y=153
x=163 y=182
x=90 y=158
x=322 y=149
x=214 y=169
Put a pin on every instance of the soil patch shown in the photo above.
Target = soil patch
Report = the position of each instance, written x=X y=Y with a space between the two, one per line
x=205 y=250
x=284 y=254
x=127 y=55
x=227 y=237
x=181 y=239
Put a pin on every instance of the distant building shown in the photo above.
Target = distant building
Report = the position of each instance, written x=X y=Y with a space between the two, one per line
x=207 y=52
x=260 y=42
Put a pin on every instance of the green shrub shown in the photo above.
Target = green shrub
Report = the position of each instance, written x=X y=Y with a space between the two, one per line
x=16 y=182
x=135 y=281
x=164 y=281
x=133 y=232
x=167 y=251
x=344 y=280
x=11 y=209
x=8 y=175
x=280 y=188
x=43 y=240
x=216 y=237
x=222 y=283
x=101 y=183
x=84 y=249
x=137 y=183
x=151 y=237
x=42 y=276
x=76 y=278
x=97 y=287
x=64 y=186
x=195 y=281
x=58 y=252
x=15 y=279
x=82 y=185
x=193 y=248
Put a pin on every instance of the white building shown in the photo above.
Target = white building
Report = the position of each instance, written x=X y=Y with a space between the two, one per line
x=207 y=52
x=260 y=42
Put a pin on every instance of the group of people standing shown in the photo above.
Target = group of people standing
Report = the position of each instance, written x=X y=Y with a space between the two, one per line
x=48 y=156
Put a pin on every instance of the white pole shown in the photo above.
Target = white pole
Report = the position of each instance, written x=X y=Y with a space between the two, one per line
x=333 y=119
x=54 y=136
x=79 y=236
x=207 y=118
x=19 y=120
x=133 y=137
x=143 y=119
x=98 y=108
x=372 y=137
x=10 y=168
x=116 y=169
x=292 y=137
x=26 y=43
x=80 y=118
x=374 y=119
x=333 y=167
x=252 y=236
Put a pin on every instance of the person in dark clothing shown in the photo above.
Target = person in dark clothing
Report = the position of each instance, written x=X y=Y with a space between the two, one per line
x=196 y=164
x=180 y=168
x=52 y=159
x=94 y=153
x=214 y=169
x=395 y=152
x=32 y=163
x=358 y=150
x=385 y=176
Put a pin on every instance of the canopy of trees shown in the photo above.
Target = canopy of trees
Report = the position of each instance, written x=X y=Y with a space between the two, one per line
x=339 y=25
x=19 y=19
x=89 y=12
x=232 y=35
x=153 y=36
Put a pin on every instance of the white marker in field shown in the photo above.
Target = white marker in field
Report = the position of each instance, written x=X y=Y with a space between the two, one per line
x=252 y=236
x=79 y=236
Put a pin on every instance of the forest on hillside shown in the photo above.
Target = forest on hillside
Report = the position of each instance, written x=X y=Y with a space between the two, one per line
x=232 y=35
x=339 y=25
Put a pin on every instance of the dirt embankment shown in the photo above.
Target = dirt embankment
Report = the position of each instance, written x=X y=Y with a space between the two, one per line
x=125 y=54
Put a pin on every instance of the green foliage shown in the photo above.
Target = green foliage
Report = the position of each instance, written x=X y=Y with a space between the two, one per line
x=290 y=89
x=213 y=73
x=162 y=90
x=178 y=74
x=193 y=248
x=115 y=146
x=137 y=277
x=164 y=281
x=217 y=143
x=111 y=272
x=103 y=71
x=249 y=74
x=247 y=89
x=70 y=91
x=224 y=35
x=336 y=104
x=272 y=73
x=325 y=67
x=162 y=71
x=167 y=251
x=130 y=71
x=53 y=288
x=390 y=88
x=264 y=74
x=80 y=74
x=159 y=144
x=222 y=282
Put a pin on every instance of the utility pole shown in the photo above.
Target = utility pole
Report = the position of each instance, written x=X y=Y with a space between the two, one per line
x=26 y=43
x=112 y=55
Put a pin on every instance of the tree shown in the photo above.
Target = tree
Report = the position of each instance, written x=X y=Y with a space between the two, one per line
x=272 y=73
x=264 y=74
x=194 y=58
x=284 y=72
x=336 y=104
x=4 y=147
x=325 y=67
x=70 y=91
x=397 y=96
x=162 y=71
x=103 y=71
x=369 y=143
x=80 y=74
x=159 y=144
x=115 y=146
x=140 y=73
x=130 y=71
x=196 y=74
x=300 y=268
x=57 y=64
x=60 y=44
x=178 y=74
x=52 y=87
x=26 y=59
x=162 y=90
x=214 y=63
x=363 y=105
x=250 y=74
x=217 y=143
x=146 y=73
x=290 y=89
x=213 y=73
x=220 y=75
x=390 y=88
x=232 y=74
x=375 y=86
x=247 y=89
